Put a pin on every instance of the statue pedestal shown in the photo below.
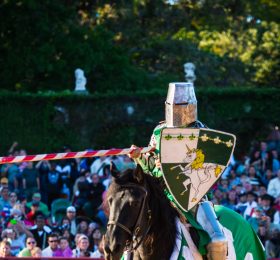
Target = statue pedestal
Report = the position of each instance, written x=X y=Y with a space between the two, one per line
x=82 y=92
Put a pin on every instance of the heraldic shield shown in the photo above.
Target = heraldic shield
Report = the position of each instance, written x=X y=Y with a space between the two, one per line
x=192 y=160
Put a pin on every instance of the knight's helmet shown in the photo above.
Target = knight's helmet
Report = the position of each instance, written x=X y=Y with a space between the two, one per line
x=181 y=103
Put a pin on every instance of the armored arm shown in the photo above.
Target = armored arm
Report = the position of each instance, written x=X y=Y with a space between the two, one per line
x=206 y=217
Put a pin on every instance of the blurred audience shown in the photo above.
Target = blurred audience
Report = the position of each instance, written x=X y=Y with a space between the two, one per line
x=31 y=227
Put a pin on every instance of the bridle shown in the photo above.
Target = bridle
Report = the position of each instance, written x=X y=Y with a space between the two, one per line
x=134 y=234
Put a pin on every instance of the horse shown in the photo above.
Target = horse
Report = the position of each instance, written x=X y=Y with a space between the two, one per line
x=141 y=218
x=143 y=222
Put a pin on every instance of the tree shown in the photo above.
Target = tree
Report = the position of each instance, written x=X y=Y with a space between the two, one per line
x=43 y=42
x=138 y=44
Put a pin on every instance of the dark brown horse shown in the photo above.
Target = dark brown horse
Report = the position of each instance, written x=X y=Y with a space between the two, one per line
x=141 y=219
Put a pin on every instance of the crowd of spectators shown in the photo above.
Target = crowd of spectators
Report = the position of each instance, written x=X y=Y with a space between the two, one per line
x=29 y=192
x=30 y=226
x=251 y=187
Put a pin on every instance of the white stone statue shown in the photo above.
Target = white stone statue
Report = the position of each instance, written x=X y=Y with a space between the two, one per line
x=189 y=72
x=81 y=81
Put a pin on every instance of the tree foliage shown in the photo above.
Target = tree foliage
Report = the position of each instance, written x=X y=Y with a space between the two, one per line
x=43 y=42
x=138 y=44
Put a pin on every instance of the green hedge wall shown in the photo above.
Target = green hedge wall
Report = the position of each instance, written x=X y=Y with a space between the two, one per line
x=45 y=122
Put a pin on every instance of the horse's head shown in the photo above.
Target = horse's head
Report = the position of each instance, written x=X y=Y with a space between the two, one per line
x=126 y=199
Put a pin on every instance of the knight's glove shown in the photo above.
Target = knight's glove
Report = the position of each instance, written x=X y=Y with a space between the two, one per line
x=206 y=217
x=217 y=251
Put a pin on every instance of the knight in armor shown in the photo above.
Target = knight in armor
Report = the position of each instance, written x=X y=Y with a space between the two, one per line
x=181 y=111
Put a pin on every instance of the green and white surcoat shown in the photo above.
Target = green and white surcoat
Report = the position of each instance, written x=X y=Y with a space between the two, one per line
x=245 y=243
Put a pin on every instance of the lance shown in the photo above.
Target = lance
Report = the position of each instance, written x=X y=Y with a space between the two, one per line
x=70 y=155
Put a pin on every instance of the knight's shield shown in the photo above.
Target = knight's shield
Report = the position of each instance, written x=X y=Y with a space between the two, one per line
x=192 y=160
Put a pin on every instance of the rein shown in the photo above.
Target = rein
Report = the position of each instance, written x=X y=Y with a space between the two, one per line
x=134 y=233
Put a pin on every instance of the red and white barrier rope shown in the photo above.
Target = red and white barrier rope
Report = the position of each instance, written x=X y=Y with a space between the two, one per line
x=61 y=156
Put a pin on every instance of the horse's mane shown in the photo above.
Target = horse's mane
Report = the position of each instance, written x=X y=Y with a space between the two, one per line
x=163 y=226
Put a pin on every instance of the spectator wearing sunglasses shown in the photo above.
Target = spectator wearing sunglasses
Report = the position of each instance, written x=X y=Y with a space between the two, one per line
x=30 y=244
x=50 y=251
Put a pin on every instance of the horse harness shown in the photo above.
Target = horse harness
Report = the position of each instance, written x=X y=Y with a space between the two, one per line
x=135 y=232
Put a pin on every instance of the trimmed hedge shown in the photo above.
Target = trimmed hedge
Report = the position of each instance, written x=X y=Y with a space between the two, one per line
x=45 y=122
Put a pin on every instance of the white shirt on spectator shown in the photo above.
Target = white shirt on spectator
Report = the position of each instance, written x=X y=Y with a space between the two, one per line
x=46 y=229
x=98 y=165
x=18 y=244
x=248 y=211
x=65 y=169
x=273 y=188
x=47 y=252
x=73 y=227
x=276 y=218
x=107 y=182
x=77 y=253
x=97 y=254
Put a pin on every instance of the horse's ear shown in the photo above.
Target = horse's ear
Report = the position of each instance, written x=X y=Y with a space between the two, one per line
x=114 y=171
x=138 y=174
